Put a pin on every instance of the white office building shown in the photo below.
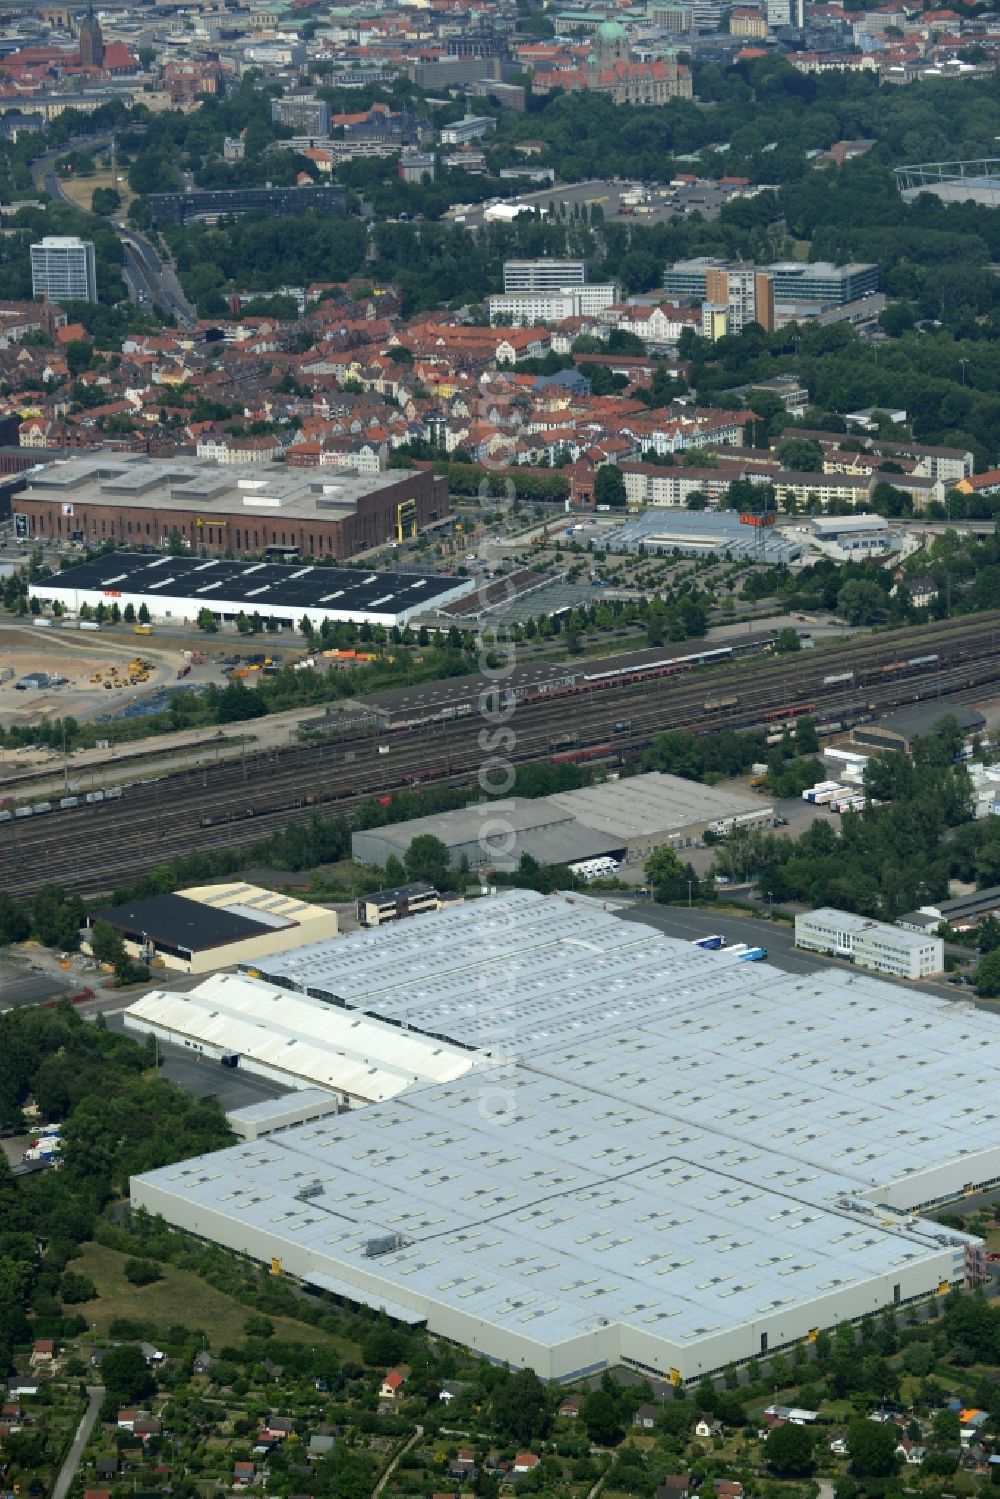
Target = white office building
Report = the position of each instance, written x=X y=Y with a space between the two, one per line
x=529 y=308
x=63 y=268
x=543 y=274
x=870 y=944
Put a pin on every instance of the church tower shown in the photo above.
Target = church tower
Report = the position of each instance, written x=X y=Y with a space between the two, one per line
x=91 y=40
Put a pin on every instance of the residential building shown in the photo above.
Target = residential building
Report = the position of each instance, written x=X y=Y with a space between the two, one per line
x=746 y=293
x=63 y=268
x=747 y=20
x=870 y=944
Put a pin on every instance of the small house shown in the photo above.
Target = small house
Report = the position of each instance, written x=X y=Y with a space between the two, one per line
x=42 y=1353
x=525 y=1462
x=912 y=1453
x=244 y=1475
x=644 y=1418
x=571 y=1407
x=391 y=1385
x=674 y=1486
x=707 y=1426
x=277 y=1428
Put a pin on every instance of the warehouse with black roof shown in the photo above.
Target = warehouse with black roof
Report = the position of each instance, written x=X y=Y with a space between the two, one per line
x=176 y=589
x=215 y=926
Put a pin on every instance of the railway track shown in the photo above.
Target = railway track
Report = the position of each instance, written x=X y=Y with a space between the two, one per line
x=238 y=802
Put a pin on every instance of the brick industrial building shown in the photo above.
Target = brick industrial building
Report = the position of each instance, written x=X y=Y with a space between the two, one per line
x=135 y=501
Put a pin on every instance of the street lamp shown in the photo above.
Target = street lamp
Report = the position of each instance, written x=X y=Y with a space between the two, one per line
x=963 y=362
x=689 y=883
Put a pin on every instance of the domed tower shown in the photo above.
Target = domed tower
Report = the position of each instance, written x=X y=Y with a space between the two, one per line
x=91 y=40
x=611 y=44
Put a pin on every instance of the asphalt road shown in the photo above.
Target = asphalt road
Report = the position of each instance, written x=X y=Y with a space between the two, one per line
x=777 y=936
x=209 y=1079
x=18 y=987
x=67 y=1472
x=150 y=281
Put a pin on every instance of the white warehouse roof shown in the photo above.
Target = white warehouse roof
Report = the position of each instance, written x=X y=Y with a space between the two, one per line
x=298 y=1039
x=672 y=1157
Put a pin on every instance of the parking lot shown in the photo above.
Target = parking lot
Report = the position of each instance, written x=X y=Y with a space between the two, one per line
x=21 y=986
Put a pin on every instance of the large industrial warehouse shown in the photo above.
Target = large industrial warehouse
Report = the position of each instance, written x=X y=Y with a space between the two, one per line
x=176 y=589
x=661 y=1159
x=222 y=509
x=628 y=819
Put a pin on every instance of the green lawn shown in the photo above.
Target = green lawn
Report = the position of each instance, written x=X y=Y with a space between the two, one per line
x=181 y=1297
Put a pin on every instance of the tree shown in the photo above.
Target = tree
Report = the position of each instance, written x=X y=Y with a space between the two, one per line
x=207 y=621
x=125 y=1375
x=802 y=455
x=664 y=874
x=806 y=737
x=77 y=356
x=427 y=859
x=986 y=975
x=601 y=1418
x=144 y=615
x=860 y=602
x=872 y=1448
x=789 y=1451
x=175 y=543
x=609 y=487
x=106 y=943
x=75 y=1288
x=947 y=1429
x=521 y=1408
x=788 y=641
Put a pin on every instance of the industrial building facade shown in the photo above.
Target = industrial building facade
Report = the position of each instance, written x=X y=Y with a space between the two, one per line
x=629 y=1173
x=177 y=589
x=252 y=510
x=627 y=819
x=878 y=945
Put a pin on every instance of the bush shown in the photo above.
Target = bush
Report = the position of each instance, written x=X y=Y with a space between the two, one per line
x=75 y=1288
x=142 y=1272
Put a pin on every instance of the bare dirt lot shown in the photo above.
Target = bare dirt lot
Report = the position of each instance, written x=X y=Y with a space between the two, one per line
x=87 y=663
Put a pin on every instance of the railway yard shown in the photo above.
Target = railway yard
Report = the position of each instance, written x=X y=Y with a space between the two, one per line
x=587 y=712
